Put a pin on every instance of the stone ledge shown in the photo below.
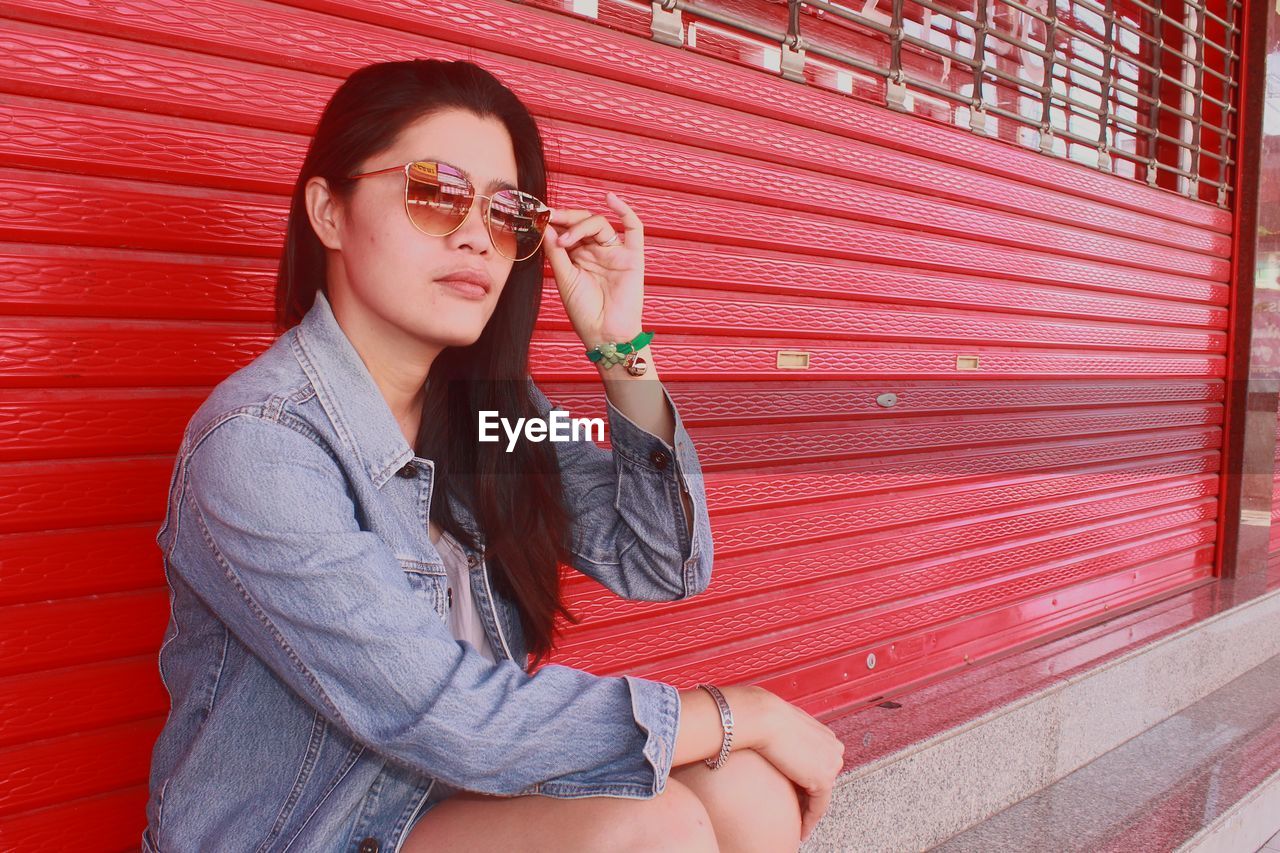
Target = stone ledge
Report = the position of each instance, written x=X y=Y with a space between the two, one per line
x=957 y=776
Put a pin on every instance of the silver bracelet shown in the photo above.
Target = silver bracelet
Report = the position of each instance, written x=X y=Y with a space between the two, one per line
x=726 y=722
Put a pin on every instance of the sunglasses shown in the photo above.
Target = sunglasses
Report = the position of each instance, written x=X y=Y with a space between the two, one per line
x=438 y=199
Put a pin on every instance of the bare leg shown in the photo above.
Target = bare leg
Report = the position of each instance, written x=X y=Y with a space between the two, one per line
x=753 y=807
x=672 y=822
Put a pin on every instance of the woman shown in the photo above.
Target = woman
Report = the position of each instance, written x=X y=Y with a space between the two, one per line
x=357 y=580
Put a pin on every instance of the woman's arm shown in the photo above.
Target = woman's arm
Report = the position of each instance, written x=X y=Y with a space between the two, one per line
x=266 y=533
x=639 y=517
x=640 y=398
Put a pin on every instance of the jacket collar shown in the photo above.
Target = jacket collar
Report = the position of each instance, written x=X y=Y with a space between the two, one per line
x=349 y=395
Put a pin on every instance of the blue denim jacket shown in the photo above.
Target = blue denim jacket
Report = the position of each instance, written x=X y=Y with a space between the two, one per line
x=319 y=699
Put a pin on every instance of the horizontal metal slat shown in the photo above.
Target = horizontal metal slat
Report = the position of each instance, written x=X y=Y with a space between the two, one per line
x=111 y=820
x=62 y=769
x=57 y=702
x=93 y=628
x=52 y=564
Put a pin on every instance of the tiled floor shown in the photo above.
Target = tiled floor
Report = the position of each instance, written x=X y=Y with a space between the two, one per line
x=1272 y=845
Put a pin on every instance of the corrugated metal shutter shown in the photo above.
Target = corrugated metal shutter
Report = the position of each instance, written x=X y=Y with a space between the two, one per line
x=147 y=150
x=1011 y=419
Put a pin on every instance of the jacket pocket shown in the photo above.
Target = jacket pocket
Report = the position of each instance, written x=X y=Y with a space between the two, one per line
x=428 y=580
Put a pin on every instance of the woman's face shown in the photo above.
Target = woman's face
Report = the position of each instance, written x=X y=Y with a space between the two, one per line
x=390 y=271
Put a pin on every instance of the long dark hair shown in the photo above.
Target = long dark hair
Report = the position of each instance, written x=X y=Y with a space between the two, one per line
x=515 y=497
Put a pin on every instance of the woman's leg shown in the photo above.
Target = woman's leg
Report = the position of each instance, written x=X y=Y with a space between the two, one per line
x=672 y=822
x=753 y=807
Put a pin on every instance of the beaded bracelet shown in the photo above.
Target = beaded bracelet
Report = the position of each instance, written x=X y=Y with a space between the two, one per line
x=726 y=722
x=615 y=352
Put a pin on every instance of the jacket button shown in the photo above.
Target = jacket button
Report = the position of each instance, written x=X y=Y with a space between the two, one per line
x=409 y=470
x=471 y=559
x=659 y=458
x=369 y=845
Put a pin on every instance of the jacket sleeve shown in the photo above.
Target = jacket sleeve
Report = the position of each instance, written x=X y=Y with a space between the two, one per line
x=630 y=530
x=269 y=539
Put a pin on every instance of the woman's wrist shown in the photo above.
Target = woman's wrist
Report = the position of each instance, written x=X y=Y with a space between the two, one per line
x=752 y=714
x=701 y=732
x=618 y=335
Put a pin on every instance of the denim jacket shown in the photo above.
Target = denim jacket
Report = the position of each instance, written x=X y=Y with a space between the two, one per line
x=318 y=698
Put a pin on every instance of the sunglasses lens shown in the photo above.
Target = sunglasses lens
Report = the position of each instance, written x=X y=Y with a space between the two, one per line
x=516 y=223
x=438 y=197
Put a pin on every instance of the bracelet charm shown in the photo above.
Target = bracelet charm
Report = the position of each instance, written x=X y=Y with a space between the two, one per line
x=636 y=364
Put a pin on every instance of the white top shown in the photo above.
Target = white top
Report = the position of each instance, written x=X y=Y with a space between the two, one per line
x=464 y=617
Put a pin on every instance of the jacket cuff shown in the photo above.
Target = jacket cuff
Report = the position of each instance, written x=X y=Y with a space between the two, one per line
x=638 y=444
x=656 y=707
x=646 y=450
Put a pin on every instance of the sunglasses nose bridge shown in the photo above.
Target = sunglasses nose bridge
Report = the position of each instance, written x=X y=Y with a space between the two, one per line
x=485 y=203
x=476 y=201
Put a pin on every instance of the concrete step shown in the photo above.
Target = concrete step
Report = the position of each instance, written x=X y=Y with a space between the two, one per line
x=942 y=760
x=1205 y=779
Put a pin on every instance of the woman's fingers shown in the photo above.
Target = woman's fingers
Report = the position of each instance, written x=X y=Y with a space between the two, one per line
x=566 y=216
x=632 y=227
x=595 y=226
x=815 y=806
x=569 y=222
x=575 y=225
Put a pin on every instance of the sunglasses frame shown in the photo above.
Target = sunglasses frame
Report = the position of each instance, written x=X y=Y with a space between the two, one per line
x=488 y=223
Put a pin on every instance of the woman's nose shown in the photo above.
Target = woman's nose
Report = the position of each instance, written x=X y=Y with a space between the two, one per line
x=474 y=230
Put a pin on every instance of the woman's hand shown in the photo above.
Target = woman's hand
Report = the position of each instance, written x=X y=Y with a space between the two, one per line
x=803 y=749
x=602 y=286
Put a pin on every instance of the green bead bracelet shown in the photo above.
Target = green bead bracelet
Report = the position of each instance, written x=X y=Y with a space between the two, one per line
x=615 y=353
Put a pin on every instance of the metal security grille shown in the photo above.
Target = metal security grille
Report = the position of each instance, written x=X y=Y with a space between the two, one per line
x=1140 y=90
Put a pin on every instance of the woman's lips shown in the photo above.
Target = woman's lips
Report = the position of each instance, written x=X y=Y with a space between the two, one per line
x=468 y=289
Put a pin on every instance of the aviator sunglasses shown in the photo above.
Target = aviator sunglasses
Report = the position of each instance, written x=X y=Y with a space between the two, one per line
x=438 y=198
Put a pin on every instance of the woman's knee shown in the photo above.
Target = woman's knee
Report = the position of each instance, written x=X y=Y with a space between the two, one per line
x=675 y=820
x=753 y=806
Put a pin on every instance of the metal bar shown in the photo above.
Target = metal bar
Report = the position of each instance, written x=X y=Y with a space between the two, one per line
x=729 y=20
x=977 y=110
x=968 y=62
x=1157 y=80
x=1050 y=58
x=846 y=59
x=1092 y=6
x=895 y=90
x=1229 y=108
x=1197 y=92
x=1108 y=89
x=958 y=58
x=850 y=15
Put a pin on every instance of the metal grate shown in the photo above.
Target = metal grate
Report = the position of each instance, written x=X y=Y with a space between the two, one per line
x=1146 y=91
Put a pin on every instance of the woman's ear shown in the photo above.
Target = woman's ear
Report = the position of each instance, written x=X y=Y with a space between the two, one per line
x=324 y=212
